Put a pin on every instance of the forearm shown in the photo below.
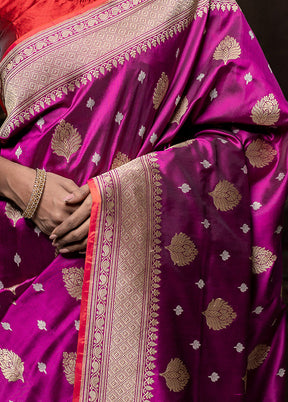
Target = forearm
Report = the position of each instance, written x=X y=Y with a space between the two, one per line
x=16 y=182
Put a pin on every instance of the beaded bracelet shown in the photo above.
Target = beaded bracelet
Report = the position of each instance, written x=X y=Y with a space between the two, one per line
x=36 y=195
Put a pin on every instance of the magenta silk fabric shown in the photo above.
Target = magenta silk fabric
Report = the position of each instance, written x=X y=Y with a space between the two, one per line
x=214 y=86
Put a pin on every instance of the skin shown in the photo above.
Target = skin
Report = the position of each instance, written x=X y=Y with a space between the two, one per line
x=64 y=208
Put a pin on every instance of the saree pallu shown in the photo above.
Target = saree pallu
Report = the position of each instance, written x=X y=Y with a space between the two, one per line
x=171 y=113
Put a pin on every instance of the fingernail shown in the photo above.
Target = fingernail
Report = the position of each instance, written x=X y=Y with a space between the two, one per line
x=52 y=237
x=69 y=197
x=63 y=250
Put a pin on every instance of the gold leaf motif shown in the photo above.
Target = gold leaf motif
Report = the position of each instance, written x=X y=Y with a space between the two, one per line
x=182 y=250
x=266 y=112
x=73 y=280
x=219 y=314
x=262 y=260
x=119 y=160
x=11 y=365
x=228 y=49
x=180 y=111
x=13 y=288
x=160 y=90
x=183 y=144
x=69 y=363
x=176 y=375
x=66 y=140
x=260 y=153
x=12 y=213
x=257 y=356
x=225 y=196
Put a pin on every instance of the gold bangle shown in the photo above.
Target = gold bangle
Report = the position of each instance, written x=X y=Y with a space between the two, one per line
x=36 y=195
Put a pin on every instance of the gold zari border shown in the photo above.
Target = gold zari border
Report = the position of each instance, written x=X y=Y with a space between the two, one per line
x=122 y=327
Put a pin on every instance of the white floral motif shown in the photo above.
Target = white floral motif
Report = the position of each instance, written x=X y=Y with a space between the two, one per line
x=243 y=288
x=185 y=188
x=279 y=229
x=18 y=152
x=244 y=169
x=141 y=76
x=96 y=158
x=256 y=205
x=200 y=284
x=225 y=255
x=206 y=164
x=38 y=287
x=6 y=326
x=77 y=324
x=248 y=78
x=1 y=285
x=245 y=228
x=37 y=231
x=141 y=131
x=40 y=122
x=213 y=94
x=41 y=325
x=200 y=77
x=206 y=223
x=90 y=104
x=214 y=377
x=177 y=53
x=42 y=367
x=195 y=344
x=178 y=310
x=17 y=259
x=258 y=310
x=177 y=100
x=252 y=36
x=222 y=140
x=239 y=347
x=280 y=176
x=119 y=117
x=281 y=372
x=236 y=130
x=153 y=138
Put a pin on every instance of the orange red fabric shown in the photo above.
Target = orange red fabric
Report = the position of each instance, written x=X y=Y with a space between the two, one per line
x=30 y=16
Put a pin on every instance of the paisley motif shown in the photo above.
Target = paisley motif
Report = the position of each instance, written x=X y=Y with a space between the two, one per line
x=176 y=375
x=266 y=112
x=225 y=196
x=182 y=250
x=228 y=49
x=219 y=314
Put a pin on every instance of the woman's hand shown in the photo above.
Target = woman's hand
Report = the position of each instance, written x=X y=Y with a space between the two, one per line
x=16 y=184
x=71 y=235
x=52 y=209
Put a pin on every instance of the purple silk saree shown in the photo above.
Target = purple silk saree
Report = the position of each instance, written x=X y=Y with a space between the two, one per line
x=172 y=113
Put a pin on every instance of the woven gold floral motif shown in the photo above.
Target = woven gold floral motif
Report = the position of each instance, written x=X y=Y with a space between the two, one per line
x=219 y=314
x=160 y=90
x=228 y=49
x=183 y=144
x=176 y=375
x=119 y=160
x=182 y=250
x=180 y=111
x=230 y=5
x=262 y=260
x=69 y=362
x=266 y=112
x=260 y=153
x=73 y=280
x=225 y=196
x=257 y=356
x=66 y=140
x=12 y=213
x=11 y=365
